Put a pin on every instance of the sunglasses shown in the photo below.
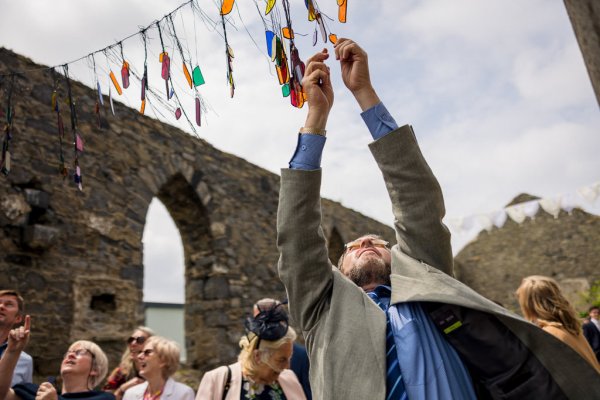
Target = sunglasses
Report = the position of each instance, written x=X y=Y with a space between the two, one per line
x=146 y=352
x=136 y=339
x=351 y=246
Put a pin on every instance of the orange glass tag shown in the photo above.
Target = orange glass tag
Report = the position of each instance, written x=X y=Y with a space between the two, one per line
x=143 y=107
x=287 y=33
x=226 y=6
x=333 y=38
x=343 y=5
x=114 y=81
x=188 y=77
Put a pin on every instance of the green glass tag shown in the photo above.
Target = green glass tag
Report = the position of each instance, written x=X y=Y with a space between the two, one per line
x=197 y=77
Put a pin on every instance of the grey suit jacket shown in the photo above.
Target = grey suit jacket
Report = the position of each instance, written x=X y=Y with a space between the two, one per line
x=345 y=330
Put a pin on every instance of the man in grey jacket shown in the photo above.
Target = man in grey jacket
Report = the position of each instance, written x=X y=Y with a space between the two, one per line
x=363 y=326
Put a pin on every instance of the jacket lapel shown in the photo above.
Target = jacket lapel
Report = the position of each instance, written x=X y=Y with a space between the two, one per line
x=375 y=319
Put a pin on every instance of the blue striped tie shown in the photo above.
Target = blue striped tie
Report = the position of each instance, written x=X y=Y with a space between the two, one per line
x=395 y=389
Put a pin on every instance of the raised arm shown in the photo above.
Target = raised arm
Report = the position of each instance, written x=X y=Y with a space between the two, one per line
x=17 y=340
x=417 y=200
x=304 y=265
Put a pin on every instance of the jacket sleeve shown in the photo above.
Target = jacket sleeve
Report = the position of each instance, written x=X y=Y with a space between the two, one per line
x=416 y=197
x=210 y=387
x=304 y=266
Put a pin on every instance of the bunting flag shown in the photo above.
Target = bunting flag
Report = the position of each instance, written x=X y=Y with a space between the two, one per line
x=586 y=196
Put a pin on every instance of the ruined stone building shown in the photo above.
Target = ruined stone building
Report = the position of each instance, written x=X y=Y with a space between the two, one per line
x=77 y=256
x=566 y=248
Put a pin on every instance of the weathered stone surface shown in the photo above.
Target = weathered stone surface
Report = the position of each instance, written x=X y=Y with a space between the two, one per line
x=40 y=236
x=88 y=284
x=566 y=248
x=15 y=208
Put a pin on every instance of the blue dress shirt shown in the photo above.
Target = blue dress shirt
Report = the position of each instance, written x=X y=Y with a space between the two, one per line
x=310 y=147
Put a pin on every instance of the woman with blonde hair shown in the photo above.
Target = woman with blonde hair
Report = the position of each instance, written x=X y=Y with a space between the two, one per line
x=158 y=361
x=126 y=374
x=262 y=370
x=543 y=303
x=83 y=367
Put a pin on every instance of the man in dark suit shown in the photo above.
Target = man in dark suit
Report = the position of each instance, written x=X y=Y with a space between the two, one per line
x=591 y=330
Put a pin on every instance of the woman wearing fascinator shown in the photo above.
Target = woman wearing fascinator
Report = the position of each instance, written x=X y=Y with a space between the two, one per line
x=262 y=370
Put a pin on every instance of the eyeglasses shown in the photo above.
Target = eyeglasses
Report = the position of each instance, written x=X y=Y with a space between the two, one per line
x=146 y=352
x=136 y=339
x=78 y=353
x=356 y=244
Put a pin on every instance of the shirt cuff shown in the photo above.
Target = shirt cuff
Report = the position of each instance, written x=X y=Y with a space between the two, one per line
x=308 y=152
x=379 y=121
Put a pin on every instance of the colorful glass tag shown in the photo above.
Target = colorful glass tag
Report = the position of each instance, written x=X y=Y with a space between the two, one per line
x=188 y=77
x=270 y=4
x=198 y=78
x=125 y=74
x=342 y=10
x=100 y=99
x=115 y=83
x=112 y=107
x=166 y=65
x=198 y=111
x=227 y=6
x=79 y=143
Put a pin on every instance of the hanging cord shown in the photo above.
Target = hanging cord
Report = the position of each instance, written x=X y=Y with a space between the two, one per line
x=77 y=141
x=6 y=160
x=62 y=169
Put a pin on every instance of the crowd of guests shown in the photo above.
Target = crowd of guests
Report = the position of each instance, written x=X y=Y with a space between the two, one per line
x=148 y=363
x=263 y=366
x=262 y=370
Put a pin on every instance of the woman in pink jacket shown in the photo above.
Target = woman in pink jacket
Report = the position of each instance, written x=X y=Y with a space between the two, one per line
x=262 y=370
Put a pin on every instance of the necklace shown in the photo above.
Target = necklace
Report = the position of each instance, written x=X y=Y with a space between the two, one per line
x=150 y=396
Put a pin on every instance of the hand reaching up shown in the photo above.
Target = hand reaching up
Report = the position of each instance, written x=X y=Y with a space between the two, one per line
x=19 y=337
x=355 y=72
x=319 y=92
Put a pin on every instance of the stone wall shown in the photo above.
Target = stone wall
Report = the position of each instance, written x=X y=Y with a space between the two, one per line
x=566 y=248
x=585 y=18
x=77 y=256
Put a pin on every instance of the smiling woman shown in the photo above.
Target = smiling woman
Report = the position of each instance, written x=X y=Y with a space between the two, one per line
x=158 y=361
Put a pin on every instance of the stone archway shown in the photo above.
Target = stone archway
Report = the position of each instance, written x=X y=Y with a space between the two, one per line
x=76 y=256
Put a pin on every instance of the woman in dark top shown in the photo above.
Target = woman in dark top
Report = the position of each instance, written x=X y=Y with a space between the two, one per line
x=83 y=367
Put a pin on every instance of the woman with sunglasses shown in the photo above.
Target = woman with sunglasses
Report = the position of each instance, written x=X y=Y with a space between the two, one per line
x=262 y=370
x=83 y=367
x=158 y=361
x=126 y=374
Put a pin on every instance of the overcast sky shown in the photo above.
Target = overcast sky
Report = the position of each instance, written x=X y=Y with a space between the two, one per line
x=497 y=92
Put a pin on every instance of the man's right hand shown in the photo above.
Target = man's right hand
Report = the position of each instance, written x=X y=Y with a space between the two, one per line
x=19 y=337
x=319 y=92
x=355 y=72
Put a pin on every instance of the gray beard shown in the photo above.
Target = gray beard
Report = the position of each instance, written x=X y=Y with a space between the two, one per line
x=370 y=270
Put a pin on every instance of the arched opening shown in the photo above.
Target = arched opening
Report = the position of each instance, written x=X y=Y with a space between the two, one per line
x=335 y=246
x=164 y=278
x=202 y=283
